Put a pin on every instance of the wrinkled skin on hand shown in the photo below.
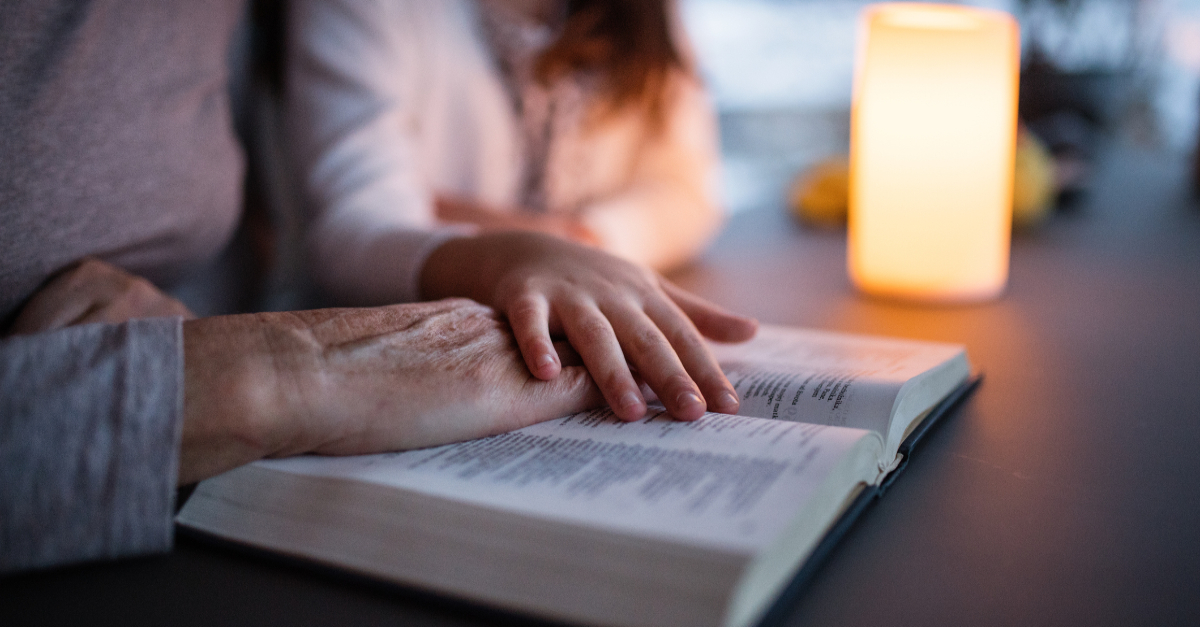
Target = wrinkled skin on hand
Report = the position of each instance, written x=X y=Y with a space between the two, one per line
x=351 y=381
x=94 y=291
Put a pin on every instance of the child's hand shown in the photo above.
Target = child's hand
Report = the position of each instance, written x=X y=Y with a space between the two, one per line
x=620 y=318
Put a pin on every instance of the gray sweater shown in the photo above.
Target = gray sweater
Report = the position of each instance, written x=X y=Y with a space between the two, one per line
x=115 y=142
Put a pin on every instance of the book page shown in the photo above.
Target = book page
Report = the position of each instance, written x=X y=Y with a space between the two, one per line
x=826 y=378
x=726 y=481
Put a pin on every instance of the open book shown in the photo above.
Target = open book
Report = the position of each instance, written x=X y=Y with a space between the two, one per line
x=591 y=520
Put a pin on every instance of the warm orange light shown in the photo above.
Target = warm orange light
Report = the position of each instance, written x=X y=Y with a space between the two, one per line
x=933 y=131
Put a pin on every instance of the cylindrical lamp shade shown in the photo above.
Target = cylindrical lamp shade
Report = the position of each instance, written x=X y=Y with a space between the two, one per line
x=933 y=135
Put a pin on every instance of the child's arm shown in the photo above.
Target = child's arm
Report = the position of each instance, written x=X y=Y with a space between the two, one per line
x=351 y=130
x=615 y=314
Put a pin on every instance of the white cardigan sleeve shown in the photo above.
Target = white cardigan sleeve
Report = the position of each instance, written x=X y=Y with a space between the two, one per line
x=671 y=209
x=352 y=65
x=372 y=223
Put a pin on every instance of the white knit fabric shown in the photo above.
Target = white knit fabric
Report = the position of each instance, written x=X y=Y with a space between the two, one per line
x=395 y=101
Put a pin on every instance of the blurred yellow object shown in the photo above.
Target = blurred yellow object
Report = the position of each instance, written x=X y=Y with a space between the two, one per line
x=1033 y=182
x=820 y=195
x=933 y=128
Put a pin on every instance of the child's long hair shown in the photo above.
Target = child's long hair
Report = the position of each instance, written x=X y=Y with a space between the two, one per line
x=627 y=43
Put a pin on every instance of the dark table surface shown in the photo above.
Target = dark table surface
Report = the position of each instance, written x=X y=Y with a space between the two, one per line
x=1065 y=492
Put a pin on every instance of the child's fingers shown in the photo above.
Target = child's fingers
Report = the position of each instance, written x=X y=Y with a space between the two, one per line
x=528 y=315
x=592 y=336
x=656 y=361
x=695 y=356
x=712 y=321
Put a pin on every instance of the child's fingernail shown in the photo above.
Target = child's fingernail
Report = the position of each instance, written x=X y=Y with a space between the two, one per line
x=728 y=402
x=630 y=402
x=545 y=361
x=689 y=400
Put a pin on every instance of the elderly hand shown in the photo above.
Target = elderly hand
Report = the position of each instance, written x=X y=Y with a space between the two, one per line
x=351 y=381
x=94 y=291
x=625 y=321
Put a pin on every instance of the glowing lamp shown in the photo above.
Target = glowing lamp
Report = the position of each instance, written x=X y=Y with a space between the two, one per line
x=933 y=135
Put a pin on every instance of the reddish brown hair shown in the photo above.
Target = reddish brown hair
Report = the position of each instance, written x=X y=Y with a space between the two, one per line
x=626 y=43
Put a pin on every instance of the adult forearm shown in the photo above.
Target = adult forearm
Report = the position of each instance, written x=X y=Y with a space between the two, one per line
x=229 y=393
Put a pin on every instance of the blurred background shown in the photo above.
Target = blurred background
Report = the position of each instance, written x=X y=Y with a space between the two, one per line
x=1095 y=73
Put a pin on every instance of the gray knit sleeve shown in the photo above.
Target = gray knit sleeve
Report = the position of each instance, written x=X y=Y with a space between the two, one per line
x=90 y=420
